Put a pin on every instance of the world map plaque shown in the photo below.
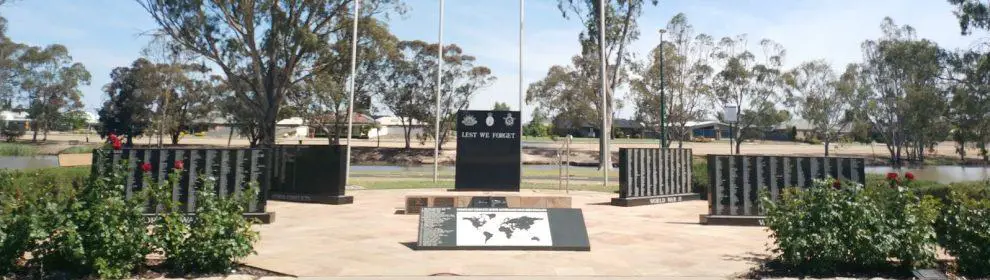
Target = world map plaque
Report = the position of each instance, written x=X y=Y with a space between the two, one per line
x=502 y=229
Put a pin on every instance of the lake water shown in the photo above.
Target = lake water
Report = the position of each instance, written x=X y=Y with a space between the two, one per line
x=939 y=173
x=28 y=162
x=423 y=168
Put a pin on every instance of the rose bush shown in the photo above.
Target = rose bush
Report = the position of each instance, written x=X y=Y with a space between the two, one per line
x=840 y=227
x=964 y=232
x=92 y=229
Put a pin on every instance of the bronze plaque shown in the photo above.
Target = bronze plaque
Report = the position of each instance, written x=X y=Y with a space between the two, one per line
x=443 y=202
x=414 y=204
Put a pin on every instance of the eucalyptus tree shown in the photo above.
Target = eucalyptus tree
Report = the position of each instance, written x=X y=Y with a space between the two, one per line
x=266 y=46
x=821 y=98
x=972 y=14
x=566 y=92
x=51 y=82
x=900 y=94
x=752 y=83
x=686 y=80
x=322 y=99
x=462 y=80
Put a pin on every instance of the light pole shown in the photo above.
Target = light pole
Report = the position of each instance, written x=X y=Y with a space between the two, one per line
x=604 y=150
x=436 y=133
x=350 y=92
x=663 y=99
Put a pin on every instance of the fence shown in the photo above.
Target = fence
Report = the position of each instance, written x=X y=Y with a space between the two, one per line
x=736 y=181
x=653 y=176
x=310 y=174
x=232 y=169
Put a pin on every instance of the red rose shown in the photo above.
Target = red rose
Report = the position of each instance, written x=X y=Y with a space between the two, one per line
x=179 y=165
x=909 y=176
x=112 y=137
x=891 y=176
x=837 y=184
x=146 y=167
x=116 y=145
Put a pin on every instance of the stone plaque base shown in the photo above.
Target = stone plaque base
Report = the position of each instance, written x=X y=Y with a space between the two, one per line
x=415 y=202
x=313 y=198
x=724 y=220
x=650 y=200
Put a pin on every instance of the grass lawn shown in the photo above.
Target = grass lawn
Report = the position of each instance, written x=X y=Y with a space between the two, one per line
x=17 y=149
x=77 y=150
x=526 y=173
x=427 y=183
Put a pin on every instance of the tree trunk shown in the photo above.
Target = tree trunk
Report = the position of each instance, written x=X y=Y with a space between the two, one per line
x=407 y=130
x=174 y=136
x=34 y=138
x=230 y=137
x=266 y=129
x=826 y=147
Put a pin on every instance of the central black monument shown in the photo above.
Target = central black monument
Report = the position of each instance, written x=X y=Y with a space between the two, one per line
x=488 y=157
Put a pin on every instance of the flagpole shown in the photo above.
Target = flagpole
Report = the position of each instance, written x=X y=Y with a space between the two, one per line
x=436 y=134
x=521 y=32
x=604 y=152
x=350 y=97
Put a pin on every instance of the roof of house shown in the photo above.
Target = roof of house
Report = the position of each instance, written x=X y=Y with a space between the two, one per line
x=395 y=121
x=802 y=124
x=14 y=116
x=626 y=123
x=358 y=118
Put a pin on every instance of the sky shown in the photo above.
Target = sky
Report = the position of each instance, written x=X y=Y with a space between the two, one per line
x=104 y=34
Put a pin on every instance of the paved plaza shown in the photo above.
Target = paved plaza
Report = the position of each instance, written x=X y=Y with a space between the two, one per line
x=367 y=239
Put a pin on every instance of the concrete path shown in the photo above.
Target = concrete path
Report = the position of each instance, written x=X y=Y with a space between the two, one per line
x=367 y=239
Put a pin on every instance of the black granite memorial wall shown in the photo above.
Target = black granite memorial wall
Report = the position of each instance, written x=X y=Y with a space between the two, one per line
x=310 y=173
x=737 y=180
x=488 y=155
x=232 y=169
x=654 y=176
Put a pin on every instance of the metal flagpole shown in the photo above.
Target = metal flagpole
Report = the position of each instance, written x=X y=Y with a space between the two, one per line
x=521 y=20
x=350 y=97
x=604 y=149
x=436 y=134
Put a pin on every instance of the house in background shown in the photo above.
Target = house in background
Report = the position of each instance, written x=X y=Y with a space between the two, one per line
x=16 y=117
x=392 y=127
x=706 y=129
x=802 y=130
x=626 y=128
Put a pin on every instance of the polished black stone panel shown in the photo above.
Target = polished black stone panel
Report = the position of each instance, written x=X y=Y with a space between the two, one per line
x=310 y=173
x=232 y=171
x=736 y=181
x=488 y=156
x=647 y=175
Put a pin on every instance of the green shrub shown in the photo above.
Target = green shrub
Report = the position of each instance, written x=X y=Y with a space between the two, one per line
x=108 y=235
x=17 y=150
x=33 y=206
x=699 y=178
x=12 y=131
x=964 y=232
x=823 y=229
x=975 y=190
x=68 y=223
x=219 y=234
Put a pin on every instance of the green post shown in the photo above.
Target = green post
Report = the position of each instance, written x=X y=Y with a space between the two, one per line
x=663 y=100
